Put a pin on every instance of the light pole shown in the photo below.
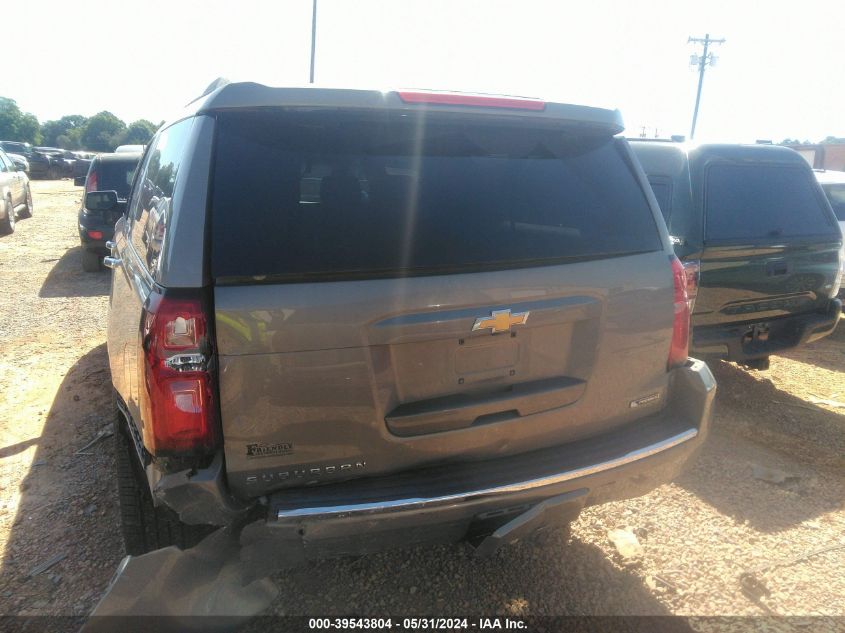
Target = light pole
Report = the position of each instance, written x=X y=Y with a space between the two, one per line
x=703 y=61
x=313 y=39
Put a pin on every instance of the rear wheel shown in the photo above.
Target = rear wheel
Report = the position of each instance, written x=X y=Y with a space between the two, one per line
x=90 y=262
x=144 y=526
x=7 y=225
x=760 y=364
x=27 y=212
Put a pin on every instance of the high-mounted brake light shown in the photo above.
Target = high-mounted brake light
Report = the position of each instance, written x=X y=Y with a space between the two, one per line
x=179 y=402
x=679 y=347
x=468 y=99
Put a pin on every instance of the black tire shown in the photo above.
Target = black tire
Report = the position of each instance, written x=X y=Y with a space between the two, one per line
x=759 y=364
x=91 y=262
x=27 y=212
x=146 y=527
x=7 y=225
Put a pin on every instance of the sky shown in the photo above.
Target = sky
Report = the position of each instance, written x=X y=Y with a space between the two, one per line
x=780 y=73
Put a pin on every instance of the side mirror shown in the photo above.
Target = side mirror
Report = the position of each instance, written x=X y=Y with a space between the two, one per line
x=101 y=200
x=79 y=181
x=20 y=167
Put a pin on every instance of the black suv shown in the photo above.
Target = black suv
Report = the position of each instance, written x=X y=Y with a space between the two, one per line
x=108 y=173
x=756 y=226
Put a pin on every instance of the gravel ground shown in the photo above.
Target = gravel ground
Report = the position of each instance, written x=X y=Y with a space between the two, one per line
x=697 y=535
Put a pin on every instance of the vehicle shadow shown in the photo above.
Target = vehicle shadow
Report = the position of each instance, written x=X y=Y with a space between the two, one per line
x=827 y=353
x=67 y=279
x=762 y=412
x=67 y=505
x=524 y=579
x=759 y=426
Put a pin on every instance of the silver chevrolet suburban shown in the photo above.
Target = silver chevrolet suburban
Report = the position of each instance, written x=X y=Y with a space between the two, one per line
x=367 y=319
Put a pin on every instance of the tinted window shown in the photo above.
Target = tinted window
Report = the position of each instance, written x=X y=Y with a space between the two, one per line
x=339 y=194
x=762 y=201
x=663 y=192
x=836 y=195
x=116 y=176
x=152 y=197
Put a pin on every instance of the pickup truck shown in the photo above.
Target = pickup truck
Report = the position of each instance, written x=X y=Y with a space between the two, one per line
x=751 y=223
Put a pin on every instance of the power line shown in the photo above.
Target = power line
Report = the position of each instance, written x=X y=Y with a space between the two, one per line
x=706 y=59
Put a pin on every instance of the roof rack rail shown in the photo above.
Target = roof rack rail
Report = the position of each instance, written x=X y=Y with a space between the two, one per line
x=675 y=138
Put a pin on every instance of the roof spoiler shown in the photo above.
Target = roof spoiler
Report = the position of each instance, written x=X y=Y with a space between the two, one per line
x=214 y=85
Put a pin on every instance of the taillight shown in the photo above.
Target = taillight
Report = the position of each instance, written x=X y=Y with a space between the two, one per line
x=692 y=272
x=469 y=99
x=679 y=348
x=180 y=413
x=91 y=182
x=837 y=282
x=95 y=235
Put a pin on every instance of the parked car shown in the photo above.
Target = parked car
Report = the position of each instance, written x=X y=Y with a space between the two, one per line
x=833 y=185
x=80 y=167
x=61 y=161
x=110 y=173
x=754 y=222
x=16 y=147
x=39 y=164
x=132 y=149
x=373 y=319
x=20 y=162
x=15 y=196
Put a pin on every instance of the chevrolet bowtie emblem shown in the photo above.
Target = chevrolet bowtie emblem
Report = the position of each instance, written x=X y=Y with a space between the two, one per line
x=500 y=321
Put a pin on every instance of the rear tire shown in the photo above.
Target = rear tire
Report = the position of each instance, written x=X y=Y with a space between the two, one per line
x=27 y=212
x=90 y=262
x=7 y=225
x=759 y=364
x=146 y=527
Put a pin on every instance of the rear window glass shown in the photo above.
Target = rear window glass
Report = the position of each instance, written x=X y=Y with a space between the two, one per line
x=762 y=201
x=338 y=194
x=116 y=176
x=836 y=195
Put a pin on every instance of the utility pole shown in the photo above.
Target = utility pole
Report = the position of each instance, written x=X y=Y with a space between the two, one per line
x=313 y=39
x=702 y=62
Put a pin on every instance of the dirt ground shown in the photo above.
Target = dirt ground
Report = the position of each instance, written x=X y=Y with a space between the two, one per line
x=698 y=534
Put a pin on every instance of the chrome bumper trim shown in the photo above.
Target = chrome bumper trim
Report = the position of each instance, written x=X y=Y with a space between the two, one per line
x=399 y=505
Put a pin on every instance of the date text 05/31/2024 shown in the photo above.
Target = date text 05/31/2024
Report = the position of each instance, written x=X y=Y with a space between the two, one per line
x=416 y=624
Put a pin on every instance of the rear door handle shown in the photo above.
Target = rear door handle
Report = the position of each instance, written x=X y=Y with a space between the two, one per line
x=111 y=262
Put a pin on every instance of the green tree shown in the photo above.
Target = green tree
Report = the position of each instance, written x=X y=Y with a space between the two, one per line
x=832 y=139
x=16 y=125
x=51 y=131
x=29 y=129
x=103 y=132
x=139 y=133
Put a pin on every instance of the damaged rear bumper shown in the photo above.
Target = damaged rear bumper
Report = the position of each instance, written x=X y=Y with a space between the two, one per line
x=489 y=502
x=502 y=500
